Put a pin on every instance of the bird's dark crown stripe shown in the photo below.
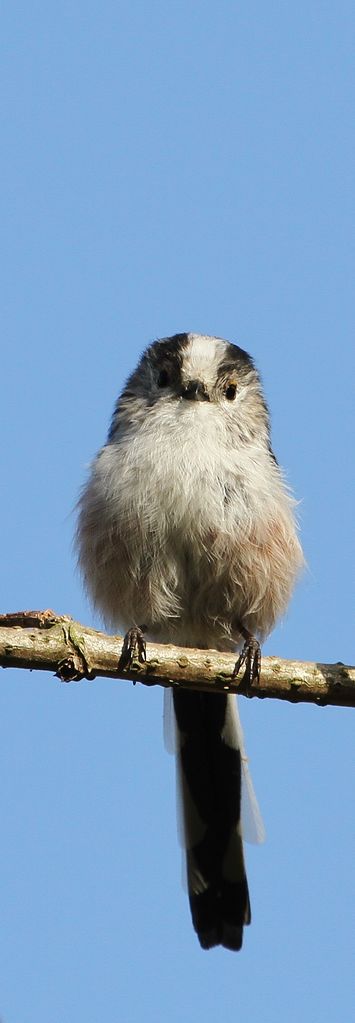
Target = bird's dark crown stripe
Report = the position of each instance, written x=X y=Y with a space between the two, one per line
x=235 y=358
x=169 y=348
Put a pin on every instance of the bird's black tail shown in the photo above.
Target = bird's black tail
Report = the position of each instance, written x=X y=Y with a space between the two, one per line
x=210 y=777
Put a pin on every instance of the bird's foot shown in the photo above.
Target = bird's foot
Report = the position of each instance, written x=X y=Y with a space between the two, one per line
x=133 y=648
x=250 y=656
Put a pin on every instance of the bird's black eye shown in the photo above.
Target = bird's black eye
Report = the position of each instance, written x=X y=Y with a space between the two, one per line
x=230 y=391
x=163 y=378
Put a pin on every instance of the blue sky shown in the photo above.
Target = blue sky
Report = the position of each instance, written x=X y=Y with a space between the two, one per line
x=172 y=167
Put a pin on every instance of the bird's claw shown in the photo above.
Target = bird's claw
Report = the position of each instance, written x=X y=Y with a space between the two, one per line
x=251 y=657
x=133 y=647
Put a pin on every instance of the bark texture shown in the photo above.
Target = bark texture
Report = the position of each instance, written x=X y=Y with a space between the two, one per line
x=46 y=641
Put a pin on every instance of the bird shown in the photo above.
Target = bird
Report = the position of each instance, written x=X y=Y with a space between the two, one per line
x=187 y=534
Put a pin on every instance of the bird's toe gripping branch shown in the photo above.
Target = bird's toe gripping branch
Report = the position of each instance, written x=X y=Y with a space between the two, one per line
x=133 y=647
x=250 y=656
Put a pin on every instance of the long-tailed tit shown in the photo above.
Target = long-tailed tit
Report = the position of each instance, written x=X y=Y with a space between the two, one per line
x=186 y=528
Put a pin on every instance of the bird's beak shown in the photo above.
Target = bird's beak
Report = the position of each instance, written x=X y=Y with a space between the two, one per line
x=195 y=390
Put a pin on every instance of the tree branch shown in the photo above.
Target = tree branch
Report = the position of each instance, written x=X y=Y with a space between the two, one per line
x=45 y=641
